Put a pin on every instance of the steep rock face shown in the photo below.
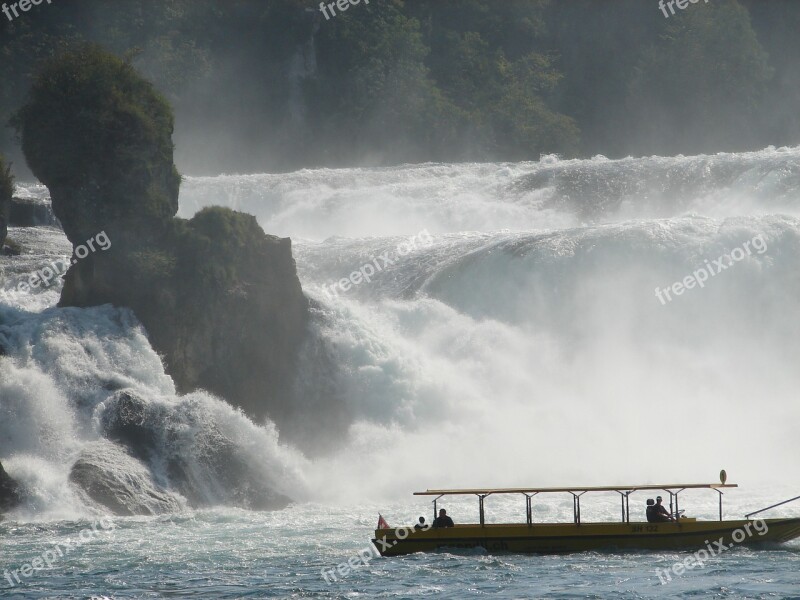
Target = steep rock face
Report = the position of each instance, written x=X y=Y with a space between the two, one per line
x=6 y=190
x=9 y=491
x=221 y=300
x=4 y=209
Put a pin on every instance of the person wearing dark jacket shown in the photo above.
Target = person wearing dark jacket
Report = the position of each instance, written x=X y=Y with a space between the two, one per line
x=660 y=512
x=443 y=520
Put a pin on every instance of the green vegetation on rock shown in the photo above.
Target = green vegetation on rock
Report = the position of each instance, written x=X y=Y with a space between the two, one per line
x=99 y=137
x=265 y=86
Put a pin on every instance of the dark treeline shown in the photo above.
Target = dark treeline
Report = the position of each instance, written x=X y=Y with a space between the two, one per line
x=262 y=85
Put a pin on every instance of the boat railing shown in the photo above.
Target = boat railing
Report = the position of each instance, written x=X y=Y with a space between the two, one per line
x=747 y=516
x=577 y=491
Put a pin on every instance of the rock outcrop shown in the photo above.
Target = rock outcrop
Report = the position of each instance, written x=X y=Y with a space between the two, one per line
x=219 y=474
x=6 y=191
x=220 y=299
x=10 y=495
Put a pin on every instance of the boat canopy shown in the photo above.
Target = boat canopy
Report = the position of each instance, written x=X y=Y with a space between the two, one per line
x=611 y=488
x=673 y=489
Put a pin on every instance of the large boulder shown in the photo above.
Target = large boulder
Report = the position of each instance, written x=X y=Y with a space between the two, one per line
x=117 y=481
x=213 y=469
x=220 y=299
x=10 y=495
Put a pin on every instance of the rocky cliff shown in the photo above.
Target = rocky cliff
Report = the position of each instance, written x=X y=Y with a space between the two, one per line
x=220 y=299
x=6 y=190
x=9 y=491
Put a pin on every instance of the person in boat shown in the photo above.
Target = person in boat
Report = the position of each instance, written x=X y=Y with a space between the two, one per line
x=443 y=520
x=651 y=505
x=421 y=524
x=660 y=512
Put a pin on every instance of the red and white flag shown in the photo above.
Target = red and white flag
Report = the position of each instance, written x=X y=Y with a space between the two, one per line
x=382 y=524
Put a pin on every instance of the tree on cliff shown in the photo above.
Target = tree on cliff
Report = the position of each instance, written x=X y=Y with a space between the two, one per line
x=84 y=105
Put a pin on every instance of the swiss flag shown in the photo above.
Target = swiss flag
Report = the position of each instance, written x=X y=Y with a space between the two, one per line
x=382 y=524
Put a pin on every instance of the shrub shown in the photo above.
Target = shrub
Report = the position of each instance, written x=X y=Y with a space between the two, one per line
x=99 y=136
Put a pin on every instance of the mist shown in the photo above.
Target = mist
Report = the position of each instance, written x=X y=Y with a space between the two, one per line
x=536 y=352
x=273 y=86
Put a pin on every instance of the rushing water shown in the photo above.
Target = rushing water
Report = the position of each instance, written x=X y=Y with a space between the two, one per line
x=509 y=334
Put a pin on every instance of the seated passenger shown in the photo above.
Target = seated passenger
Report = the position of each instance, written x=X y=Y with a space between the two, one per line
x=443 y=520
x=660 y=512
x=651 y=517
x=421 y=524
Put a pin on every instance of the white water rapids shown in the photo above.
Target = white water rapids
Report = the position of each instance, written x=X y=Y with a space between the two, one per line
x=523 y=345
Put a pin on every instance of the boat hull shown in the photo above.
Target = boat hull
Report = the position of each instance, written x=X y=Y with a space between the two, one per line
x=556 y=538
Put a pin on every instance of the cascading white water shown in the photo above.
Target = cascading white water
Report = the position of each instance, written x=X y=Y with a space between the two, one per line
x=58 y=391
x=525 y=344
x=521 y=343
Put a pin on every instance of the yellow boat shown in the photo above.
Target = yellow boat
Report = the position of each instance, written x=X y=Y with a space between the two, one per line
x=578 y=536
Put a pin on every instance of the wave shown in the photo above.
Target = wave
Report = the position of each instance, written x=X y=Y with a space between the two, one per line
x=548 y=194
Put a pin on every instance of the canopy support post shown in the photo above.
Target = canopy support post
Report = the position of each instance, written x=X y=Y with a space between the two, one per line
x=673 y=499
x=625 y=506
x=576 y=506
x=677 y=512
x=434 y=507
x=481 y=497
x=628 y=506
x=622 y=504
x=529 y=508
